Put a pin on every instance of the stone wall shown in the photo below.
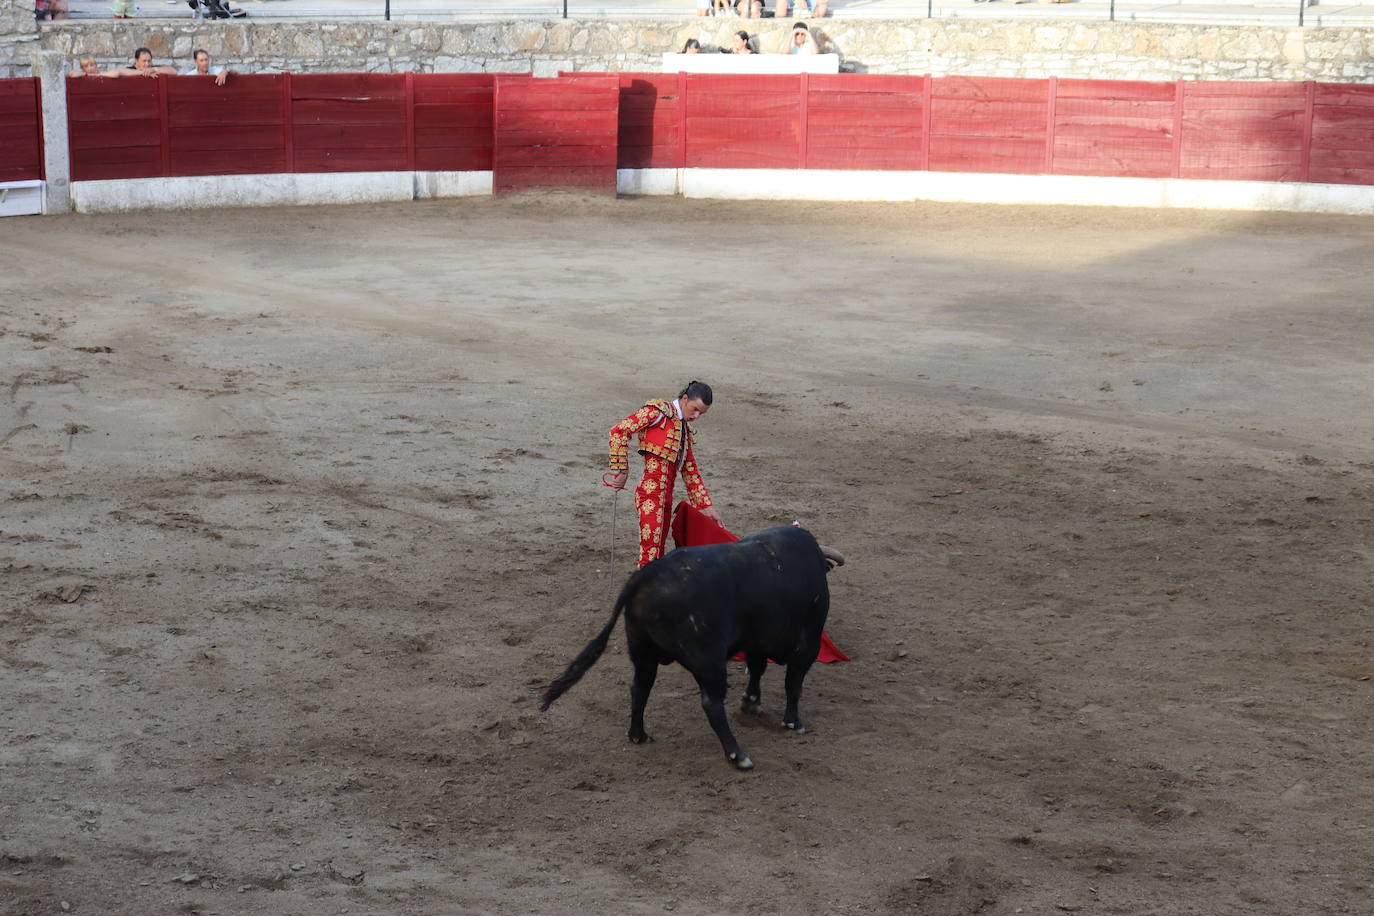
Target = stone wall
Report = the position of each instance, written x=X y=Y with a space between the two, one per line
x=18 y=37
x=1101 y=50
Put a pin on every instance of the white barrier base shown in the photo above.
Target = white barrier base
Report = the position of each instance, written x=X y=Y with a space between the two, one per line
x=119 y=196
x=1072 y=190
x=433 y=185
x=652 y=182
x=21 y=198
x=203 y=191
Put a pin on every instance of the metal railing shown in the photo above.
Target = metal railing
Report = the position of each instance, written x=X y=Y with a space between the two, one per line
x=1258 y=12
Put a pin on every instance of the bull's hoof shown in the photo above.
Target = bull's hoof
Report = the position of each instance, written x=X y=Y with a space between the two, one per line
x=641 y=739
x=795 y=727
x=741 y=762
x=750 y=705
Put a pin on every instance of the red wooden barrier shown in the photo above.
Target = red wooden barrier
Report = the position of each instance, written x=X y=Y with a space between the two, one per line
x=735 y=121
x=1246 y=131
x=651 y=110
x=349 y=122
x=1104 y=127
x=574 y=131
x=865 y=122
x=21 y=130
x=1342 y=134
x=235 y=129
x=557 y=133
x=115 y=127
x=988 y=124
x=454 y=123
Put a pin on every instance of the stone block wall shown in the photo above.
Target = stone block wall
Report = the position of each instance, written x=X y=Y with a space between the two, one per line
x=18 y=37
x=1097 y=50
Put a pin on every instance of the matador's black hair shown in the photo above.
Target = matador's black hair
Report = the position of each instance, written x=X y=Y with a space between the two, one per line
x=696 y=391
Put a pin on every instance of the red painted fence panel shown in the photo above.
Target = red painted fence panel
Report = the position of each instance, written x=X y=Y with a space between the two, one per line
x=454 y=121
x=743 y=122
x=988 y=124
x=1102 y=127
x=235 y=129
x=349 y=122
x=557 y=133
x=1342 y=134
x=115 y=127
x=858 y=121
x=21 y=130
x=1242 y=131
x=651 y=111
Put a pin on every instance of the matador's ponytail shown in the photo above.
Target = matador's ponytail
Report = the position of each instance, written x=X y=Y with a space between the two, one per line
x=696 y=391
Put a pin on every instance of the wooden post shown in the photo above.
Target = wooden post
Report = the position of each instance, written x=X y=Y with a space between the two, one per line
x=1176 y=165
x=1309 y=104
x=927 y=90
x=288 y=122
x=681 y=120
x=164 y=128
x=410 y=121
x=1053 y=91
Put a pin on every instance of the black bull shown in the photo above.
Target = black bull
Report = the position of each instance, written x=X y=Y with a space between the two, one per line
x=764 y=595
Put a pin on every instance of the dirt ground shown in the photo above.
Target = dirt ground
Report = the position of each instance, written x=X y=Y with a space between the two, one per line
x=299 y=508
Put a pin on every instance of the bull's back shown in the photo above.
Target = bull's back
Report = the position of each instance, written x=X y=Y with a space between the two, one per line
x=788 y=607
x=765 y=592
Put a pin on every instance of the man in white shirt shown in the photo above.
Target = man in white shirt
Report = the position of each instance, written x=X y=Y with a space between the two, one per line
x=203 y=68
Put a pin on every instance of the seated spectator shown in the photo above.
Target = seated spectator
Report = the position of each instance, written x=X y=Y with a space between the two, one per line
x=88 y=68
x=751 y=9
x=122 y=9
x=49 y=9
x=202 y=68
x=143 y=66
x=801 y=41
x=691 y=47
x=818 y=9
x=741 y=44
x=721 y=7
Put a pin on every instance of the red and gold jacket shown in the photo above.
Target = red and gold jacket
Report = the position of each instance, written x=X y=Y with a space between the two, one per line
x=661 y=435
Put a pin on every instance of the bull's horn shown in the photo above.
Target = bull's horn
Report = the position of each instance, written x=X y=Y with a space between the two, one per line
x=832 y=556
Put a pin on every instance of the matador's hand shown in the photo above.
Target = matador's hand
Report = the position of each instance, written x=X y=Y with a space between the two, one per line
x=711 y=513
x=615 y=479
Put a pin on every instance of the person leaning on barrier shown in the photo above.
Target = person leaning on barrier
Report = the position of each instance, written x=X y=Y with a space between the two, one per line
x=143 y=66
x=202 y=68
x=801 y=41
x=740 y=44
x=88 y=68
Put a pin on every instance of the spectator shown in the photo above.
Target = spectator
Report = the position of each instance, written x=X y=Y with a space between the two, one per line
x=818 y=9
x=801 y=41
x=202 y=68
x=49 y=9
x=143 y=66
x=741 y=44
x=691 y=47
x=122 y=9
x=88 y=68
x=751 y=9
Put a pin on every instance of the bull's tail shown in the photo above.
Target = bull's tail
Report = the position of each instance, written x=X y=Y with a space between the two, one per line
x=587 y=657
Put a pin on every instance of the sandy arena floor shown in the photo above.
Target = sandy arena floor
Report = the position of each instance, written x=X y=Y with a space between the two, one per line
x=299 y=507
